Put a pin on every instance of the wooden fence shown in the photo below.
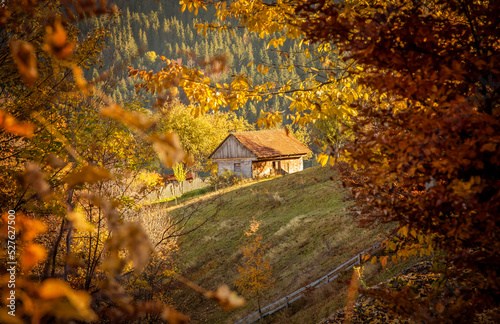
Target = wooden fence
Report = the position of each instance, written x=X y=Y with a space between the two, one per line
x=178 y=188
x=298 y=294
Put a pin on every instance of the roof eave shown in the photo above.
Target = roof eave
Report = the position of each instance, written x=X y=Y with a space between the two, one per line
x=281 y=156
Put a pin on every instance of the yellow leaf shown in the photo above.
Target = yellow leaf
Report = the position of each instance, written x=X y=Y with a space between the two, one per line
x=55 y=289
x=9 y=319
x=403 y=231
x=79 y=222
x=322 y=159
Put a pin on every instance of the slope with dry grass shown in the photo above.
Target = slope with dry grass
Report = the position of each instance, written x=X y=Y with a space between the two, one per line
x=303 y=222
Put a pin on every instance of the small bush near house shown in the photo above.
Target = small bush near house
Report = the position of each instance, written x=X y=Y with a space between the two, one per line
x=226 y=179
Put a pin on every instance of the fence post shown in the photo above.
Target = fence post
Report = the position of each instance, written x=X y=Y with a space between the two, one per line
x=359 y=259
x=287 y=303
x=260 y=311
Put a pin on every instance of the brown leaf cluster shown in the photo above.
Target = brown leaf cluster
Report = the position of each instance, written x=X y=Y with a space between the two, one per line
x=35 y=178
x=87 y=174
x=426 y=142
x=25 y=58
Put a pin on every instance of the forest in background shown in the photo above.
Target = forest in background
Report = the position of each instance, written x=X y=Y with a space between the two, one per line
x=144 y=31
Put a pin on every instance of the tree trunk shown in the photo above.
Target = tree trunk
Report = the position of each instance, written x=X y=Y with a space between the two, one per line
x=69 y=235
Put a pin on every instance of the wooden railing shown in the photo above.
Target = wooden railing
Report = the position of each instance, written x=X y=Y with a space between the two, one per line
x=298 y=294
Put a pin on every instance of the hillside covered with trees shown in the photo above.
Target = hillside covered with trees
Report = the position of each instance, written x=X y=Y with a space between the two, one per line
x=144 y=31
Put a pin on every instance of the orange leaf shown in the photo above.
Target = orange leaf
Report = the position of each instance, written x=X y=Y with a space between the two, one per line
x=11 y=125
x=56 y=41
x=32 y=254
x=383 y=261
x=490 y=147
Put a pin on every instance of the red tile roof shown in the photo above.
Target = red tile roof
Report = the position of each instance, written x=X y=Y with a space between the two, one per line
x=271 y=143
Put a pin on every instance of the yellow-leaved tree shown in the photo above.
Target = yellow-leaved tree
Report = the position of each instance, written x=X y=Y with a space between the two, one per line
x=255 y=275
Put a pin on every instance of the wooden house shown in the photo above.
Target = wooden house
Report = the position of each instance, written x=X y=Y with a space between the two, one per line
x=260 y=153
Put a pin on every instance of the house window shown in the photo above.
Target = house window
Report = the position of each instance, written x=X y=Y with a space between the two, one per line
x=274 y=165
x=237 y=167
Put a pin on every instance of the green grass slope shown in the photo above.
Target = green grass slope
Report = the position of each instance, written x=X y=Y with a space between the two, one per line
x=303 y=222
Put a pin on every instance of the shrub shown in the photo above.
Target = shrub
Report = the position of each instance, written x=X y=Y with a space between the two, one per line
x=226 y=179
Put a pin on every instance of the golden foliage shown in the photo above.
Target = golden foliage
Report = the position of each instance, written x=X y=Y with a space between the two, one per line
x=255 y=273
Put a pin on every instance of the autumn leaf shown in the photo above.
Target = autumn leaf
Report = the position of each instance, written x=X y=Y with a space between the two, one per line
x=352 y=292
x=25 y=58
x=226 y=298
x=383 y=261
x=134 y=119
x=129 y=236
x=31 y=228
x=322 y=159
x=34 y=177
x=80 y=80
x=88 y=174
x=168 y=147
x=174 y=317
x=56 y=41
x=79 y=222
x=489 y=147
x=31 y=255
x=80 y=300
x=9 y=319
x=55 y=162
x=11 y=125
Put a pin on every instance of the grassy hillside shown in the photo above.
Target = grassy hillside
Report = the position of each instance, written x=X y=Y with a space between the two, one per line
x=303 y=221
